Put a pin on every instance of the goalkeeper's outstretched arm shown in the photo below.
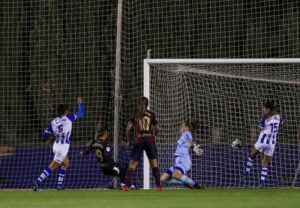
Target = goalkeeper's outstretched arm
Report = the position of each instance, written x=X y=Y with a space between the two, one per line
x=195 y=147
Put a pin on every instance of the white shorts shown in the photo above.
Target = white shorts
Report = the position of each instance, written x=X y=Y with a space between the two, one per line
x=267 y=149
x=60 y=152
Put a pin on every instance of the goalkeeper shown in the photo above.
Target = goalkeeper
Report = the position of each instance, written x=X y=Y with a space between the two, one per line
x=177 y=174
x=99 y=145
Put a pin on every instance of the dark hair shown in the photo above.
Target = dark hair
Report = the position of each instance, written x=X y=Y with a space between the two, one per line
x=141 y=108
x=270 y=104
x=101 y=127
x=190 y=124
x=61 y=109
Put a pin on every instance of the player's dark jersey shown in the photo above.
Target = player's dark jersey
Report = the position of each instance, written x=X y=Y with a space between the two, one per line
x=104 y=157
x=143 y=127
x=102 y=151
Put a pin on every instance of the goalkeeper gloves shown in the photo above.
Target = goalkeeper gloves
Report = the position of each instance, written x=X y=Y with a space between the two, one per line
x=197 y=150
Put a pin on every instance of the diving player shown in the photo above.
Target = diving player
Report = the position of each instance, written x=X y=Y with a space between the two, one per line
x=177 y=174
x=99 y=145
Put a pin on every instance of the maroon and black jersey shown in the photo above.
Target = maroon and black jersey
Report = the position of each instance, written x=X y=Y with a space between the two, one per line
x=143 y=127
x=104 y=157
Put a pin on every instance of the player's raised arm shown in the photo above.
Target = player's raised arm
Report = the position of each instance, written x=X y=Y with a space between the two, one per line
x=196 y=148
x=80 y=112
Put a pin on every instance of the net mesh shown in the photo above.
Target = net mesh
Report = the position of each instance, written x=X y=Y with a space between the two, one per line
x=225 y=101
x=53 y=50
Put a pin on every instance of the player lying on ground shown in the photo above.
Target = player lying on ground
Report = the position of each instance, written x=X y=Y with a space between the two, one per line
x=61 y=126
x=99 y=145
x=268 y=130
x=177 y=174
x=143 y=122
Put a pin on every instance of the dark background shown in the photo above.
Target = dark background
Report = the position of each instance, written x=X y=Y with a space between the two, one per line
x=53 y=50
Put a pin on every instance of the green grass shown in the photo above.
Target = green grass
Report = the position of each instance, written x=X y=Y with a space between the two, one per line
x=223 y=198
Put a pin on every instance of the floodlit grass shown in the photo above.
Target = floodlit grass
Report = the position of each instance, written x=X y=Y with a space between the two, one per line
x=181 y=198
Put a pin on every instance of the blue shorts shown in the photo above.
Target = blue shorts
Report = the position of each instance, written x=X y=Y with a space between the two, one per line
x=181 y=163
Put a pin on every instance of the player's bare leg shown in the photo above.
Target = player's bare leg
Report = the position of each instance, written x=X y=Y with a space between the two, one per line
x=177 y=174
x=54 y=165
x=254 y=152
x=264 y=170
x=66 y=163
x=165 y=177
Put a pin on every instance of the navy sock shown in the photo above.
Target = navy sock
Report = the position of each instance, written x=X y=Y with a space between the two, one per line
x=129 y=176
x=249 y=165
x=264 y=173
x=156 y=175
x=61 y=177
x=46 y=172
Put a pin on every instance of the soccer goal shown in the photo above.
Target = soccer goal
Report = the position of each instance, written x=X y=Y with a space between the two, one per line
x=224 y=96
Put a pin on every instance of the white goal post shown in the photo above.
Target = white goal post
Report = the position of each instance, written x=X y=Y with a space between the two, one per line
x=148 y=63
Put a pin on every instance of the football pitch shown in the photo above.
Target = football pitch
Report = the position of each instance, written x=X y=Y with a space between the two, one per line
x=181 y=198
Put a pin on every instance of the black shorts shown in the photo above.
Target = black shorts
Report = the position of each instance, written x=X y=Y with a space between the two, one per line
x=145 y=144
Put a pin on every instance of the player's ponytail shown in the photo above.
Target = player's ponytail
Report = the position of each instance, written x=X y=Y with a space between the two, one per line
x=141 y=108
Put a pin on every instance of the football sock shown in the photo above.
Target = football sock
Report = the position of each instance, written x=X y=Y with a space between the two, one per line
x=46 y=172
x=186 y=180
x=264 y=173
x=61 y=177
x=123 y=178
x=156 y=175
x=249 y=165
x=129 y=176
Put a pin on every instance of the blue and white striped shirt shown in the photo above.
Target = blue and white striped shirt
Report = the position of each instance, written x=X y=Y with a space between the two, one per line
x=62 y=126
x=270 y=127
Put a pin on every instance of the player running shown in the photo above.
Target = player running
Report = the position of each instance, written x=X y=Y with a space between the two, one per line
x=177 y=174
x=268 y=130
x=61 y=126
x=99 y=145
x=145 y=126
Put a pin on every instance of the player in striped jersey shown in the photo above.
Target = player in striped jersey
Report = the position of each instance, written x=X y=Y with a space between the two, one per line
x=61 y=127
x=268 y=130
x=177 y=174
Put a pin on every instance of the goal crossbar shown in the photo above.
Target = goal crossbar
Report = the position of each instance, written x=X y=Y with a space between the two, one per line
x=224 y=61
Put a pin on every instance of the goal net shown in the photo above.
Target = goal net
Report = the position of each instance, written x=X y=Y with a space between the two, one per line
x=225 y=97
x=53 y=51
